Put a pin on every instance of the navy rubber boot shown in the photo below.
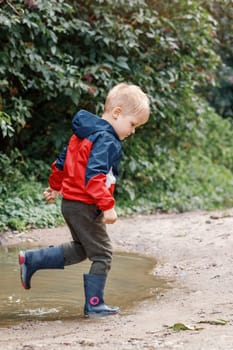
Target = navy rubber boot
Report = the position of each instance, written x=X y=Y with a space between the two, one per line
x=32 y=260
x=94 y=294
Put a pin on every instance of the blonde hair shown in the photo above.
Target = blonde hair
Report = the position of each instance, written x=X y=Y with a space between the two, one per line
x=129 y=97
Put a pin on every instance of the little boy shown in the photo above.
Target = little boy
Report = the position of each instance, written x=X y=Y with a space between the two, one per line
x=85 y=174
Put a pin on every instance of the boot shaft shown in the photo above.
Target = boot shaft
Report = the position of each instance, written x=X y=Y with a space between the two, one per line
x=32 y=260
x=45 y=258
x=94 y=297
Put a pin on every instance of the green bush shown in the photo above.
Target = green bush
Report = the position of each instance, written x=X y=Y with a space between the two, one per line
x=221 y=95
x=25 y=208
x=195 y=173
x=64 y=55
x=21 y=199
x=30 y=213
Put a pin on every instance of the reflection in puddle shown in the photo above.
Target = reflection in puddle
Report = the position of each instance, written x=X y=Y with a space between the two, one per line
x=58 y=294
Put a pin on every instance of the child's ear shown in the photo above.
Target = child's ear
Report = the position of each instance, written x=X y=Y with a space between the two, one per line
x=116 y=112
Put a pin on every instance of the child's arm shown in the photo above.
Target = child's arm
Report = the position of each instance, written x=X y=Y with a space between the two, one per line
x=50 y=195
x=57 y=173
x=99 y=176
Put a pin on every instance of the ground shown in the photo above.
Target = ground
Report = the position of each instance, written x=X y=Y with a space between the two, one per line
x=193 y=249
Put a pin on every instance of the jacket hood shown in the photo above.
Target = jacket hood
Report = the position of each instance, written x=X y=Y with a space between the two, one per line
x=85 y=123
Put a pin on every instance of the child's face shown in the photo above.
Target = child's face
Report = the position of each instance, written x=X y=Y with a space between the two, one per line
x=126 y=124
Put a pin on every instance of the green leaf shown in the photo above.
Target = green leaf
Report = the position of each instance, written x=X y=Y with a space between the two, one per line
x=177 y=327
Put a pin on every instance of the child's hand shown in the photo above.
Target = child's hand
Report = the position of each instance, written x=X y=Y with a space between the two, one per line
x=50 y=195
x=110 y=216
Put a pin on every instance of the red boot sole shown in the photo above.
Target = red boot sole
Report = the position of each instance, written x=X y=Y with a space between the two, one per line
x=21 y=262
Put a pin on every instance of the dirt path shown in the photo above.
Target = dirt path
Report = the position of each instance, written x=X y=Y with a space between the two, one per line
x=195 y=249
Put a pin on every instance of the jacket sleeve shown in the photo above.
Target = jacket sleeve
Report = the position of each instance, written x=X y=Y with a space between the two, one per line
x=101 y=171
x=57 y=171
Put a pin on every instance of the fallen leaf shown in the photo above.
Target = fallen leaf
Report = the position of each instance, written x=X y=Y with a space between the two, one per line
x=215 y=322
x=177 y=327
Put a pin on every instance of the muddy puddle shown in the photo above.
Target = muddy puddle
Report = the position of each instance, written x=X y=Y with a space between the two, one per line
x=59 y=295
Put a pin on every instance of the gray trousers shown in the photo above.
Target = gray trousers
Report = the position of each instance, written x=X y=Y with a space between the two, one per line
x=90 y=238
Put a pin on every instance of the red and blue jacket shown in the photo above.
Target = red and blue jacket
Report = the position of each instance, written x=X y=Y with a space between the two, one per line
x=86 y=169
